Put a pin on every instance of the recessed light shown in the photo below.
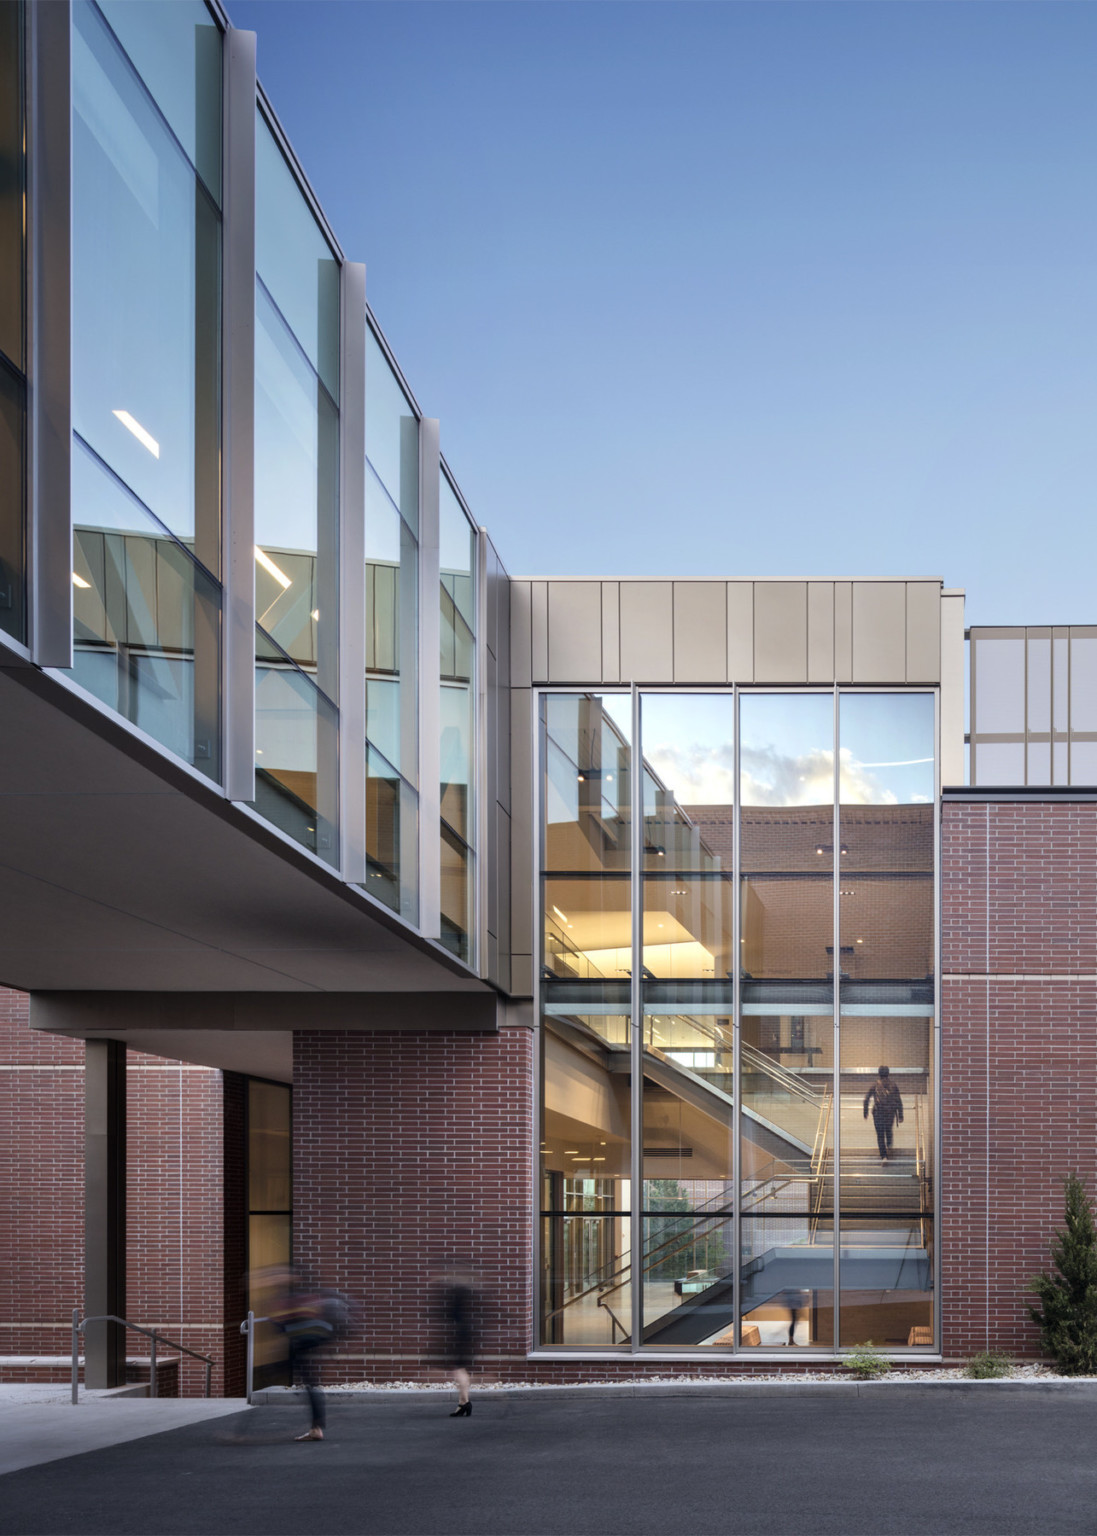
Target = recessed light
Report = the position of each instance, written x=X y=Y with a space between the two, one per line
x=78 y=581
x=146 y=439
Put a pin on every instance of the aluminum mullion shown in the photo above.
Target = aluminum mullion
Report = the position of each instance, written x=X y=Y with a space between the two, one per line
x=49 y=334
x=238 y=417
x=537 y=754
x=736 y=1034
x=936 y=1033
x=636 y=1105
x=352 y=574
x=836 y=1027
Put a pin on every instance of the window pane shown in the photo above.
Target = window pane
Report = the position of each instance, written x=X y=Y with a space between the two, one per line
x=786 y=1152
x=392 y=580
x=998 y=670
x=294 y=260
x=457 y=541
x=886 y=742
x=12 y=186
x=296 y=753
x=12 y=503
x=176 y=49
x=1039 y=762
x=269 y=1149
x=1083 y=763
x=392 y=434
x=886 y=1178
x=585 y=1296
x=146 y=297
x=998 y=762
x=296 y=502
x=146 y=619
x=456 y=862
x=586 y=798
x=1039 y=684
x=391 y=838
x=1083 y=683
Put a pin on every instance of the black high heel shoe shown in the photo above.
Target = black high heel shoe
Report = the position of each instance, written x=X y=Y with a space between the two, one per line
x=463 y=1411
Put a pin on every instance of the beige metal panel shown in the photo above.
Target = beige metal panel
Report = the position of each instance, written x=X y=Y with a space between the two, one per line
x=647 y=632
x=780 y=632
x=843 y=631
x=575 y=631
x=952 y=688
x=700 y=631
x=520 y=634
x=879 y=632
x=923 y=631
x=820 y=631
x=740 y=632
x=611 y=632
x=521 y=827
x=539 y=631
x=521 y=976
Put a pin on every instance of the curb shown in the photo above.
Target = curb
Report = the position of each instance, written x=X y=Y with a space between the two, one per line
x=283 y=1397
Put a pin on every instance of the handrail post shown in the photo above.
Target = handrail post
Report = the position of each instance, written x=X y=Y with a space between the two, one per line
x=75 y=1356
x=153 y=1383
x=209 y=1376
x=251 y=1355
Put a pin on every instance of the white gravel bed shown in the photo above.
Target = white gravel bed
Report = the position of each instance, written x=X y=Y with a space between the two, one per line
x=1020 y=1373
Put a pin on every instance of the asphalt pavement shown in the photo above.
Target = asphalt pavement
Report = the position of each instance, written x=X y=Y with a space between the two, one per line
x=920 y=1461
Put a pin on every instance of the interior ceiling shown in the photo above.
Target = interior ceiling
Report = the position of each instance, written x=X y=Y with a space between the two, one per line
x=121 y=872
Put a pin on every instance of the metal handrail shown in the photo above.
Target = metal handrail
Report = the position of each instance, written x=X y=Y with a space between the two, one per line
x=79 y=1326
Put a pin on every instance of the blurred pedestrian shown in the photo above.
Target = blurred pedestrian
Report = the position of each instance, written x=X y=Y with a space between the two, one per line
x=311 y=1318
x=456 y=1308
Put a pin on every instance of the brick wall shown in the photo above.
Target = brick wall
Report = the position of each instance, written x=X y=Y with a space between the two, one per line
x=1019 y=1054
x=178 y=1262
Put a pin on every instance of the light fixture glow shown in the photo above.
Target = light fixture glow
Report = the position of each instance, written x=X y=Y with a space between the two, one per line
x=561 y=915
x=315 y=615
x=78 y=581
x=269 y=566
x=146 y=439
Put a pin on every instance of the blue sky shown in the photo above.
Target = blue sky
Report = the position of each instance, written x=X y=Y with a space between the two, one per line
x=749 y=289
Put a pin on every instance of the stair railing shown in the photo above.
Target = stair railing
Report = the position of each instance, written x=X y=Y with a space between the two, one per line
x=79 y=1325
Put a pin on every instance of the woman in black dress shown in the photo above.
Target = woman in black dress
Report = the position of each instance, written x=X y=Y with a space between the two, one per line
x=456 y=1308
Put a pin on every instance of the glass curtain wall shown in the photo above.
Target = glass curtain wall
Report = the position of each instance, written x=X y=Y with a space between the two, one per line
x=296 y=508
x=797 y=831
x=392 y=638
x=13 y=383
x=586 y=1071
x=1034 y=705
x=146 y=367
x=457 y=708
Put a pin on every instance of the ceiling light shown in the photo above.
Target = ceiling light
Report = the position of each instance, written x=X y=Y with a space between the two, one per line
x=570 y=1152
x=78 y=581
x=146 y=439
x=269 y=566
x=561 y=915
x=315 y=615
x=582 y=778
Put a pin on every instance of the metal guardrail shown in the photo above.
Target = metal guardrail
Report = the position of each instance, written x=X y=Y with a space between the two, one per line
x=80 y=1325
x=247 y=1328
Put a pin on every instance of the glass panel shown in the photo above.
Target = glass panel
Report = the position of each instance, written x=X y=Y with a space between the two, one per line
x=12 y=187
x=1083 y=763
x=457 y=864
x=12 y=503
x=270 y=1238
x=787 y=1159
x=392 y=583
x=176 y=49
x=147 y=619
x=585 y=1296
x=269 y=1149
x=998 y=669
x=1083 y=683
x=688 y=927
x=296 y=753
x=457 y=552
x=392 y=434
x=587 y=929
x=999 y=762
x=886 y=744
x=296 y=501
x=689 y=1263
x=146 y=296
x=297 y=265
x=391 y=840
x=1039 y=684
x=1039 y=763
x=586 y=799
x=1060 y=763
x=787 y=835
x=886 y=1182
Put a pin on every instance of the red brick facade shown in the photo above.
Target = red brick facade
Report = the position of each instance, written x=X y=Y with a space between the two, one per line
x=177 y=1260
x=1019 y=1054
